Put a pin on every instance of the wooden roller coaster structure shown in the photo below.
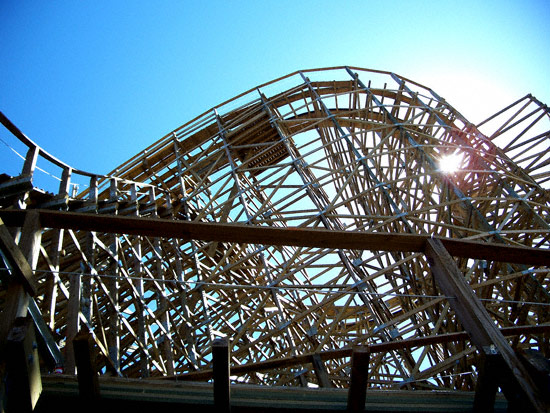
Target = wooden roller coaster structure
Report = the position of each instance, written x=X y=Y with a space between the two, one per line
x=306 y=222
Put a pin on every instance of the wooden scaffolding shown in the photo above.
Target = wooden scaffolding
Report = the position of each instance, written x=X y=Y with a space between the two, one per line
x=309 y=229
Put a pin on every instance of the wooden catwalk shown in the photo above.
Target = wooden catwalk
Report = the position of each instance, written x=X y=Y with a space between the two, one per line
x=334 y=228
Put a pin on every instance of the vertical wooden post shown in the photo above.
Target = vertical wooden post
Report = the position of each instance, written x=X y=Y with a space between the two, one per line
x=23 y=370
x=221 y=370
x=93 y=193
x=17 y=299
x=320 y=371
x=65 y=181
x=73 y=321
x=31 y=234
x=30 y=161
x=162 y=302
x=50 y=294
x=88 y=264
x=113 y=321
x=487 y=381
x=88 y=385
x=357 y=393
x=20 y=383
x=88 y=267
x=23 y=381
x=139 y=285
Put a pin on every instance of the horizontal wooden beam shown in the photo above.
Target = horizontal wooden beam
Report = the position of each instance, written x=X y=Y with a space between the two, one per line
x=347 y=351
x=133 y=395
x=291 y=236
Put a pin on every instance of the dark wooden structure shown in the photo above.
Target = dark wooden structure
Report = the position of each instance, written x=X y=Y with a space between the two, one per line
x=307 y=233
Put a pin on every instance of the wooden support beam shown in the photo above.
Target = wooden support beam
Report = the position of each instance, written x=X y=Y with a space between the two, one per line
x=493 y=372
x=18 y=348
x=347 y=352
x=475 y=319
x=320 y=371
x=19 y=264
x=357 y=393
x=30 y=160
x=18 y=289
x=73 y=321
x=220 y=360
x=23 y=382
x=304 y=237
x=113 y=322
x=88 y=385
x=487 y=384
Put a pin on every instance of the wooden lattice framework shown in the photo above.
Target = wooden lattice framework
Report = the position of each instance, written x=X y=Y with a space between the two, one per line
x=341 y=150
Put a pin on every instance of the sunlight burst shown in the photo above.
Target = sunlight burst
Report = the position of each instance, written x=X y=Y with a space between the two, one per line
x=450 y=163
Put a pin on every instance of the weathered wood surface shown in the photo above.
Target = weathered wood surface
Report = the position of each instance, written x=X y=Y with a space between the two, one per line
x=293 y=219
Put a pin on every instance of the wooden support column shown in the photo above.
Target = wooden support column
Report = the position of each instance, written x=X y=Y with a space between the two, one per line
x=357 y=393
x=18 y=349
x=113 y=320
x=482 y=330
x=23 y=381
x=185 y=312
x=162 y=302
x=88 y=385
x=222 y=390
x=140 y=292
x=88 y=267
x=30 y=161
x=320 y=371
x=489 y=369
x=88 y=263
x=23 y=276
x=50 y=291
x=22 y=259
x=73 y=321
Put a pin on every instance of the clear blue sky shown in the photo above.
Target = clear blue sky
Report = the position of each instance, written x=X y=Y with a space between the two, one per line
x=94 y=82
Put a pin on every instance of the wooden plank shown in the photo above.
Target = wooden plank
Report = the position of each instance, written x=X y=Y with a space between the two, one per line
x=305 y=237
x=475 y=319
x=220 y=361
x=357 y=393
x=88 y=385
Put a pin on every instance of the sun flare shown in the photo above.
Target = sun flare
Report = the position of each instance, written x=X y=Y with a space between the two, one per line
x=450 y=163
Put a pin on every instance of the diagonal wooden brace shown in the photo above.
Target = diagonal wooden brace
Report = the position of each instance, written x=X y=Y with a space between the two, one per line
x=468 y=308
